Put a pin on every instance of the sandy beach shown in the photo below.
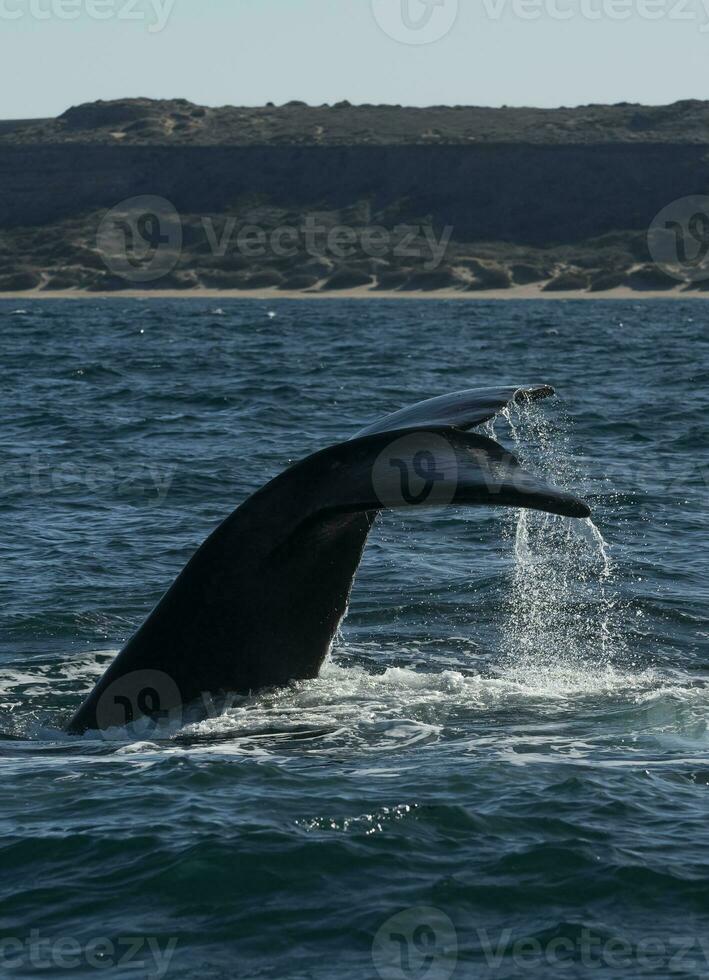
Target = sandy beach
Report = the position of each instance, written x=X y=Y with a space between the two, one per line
x=531 y=292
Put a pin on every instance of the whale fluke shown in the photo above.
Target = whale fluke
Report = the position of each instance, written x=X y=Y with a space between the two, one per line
x=460 y=410
x=259 y=603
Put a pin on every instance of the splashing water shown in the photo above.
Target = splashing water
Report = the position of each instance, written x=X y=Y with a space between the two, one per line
x=562 y=605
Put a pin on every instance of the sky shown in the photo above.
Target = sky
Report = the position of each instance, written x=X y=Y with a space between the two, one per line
x=58 y=53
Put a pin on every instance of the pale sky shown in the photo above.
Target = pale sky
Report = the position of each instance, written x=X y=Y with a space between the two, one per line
x=248 y=52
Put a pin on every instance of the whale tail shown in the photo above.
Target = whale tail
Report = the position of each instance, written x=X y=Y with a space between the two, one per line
x=259 y=603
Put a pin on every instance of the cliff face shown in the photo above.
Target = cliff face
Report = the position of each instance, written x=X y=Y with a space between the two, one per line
x=536 y=195
x=511 y=184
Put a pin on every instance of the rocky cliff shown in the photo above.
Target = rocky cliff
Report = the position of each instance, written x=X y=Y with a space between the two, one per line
x=566 y=191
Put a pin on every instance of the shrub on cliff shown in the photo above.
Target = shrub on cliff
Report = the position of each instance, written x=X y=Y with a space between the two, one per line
x=217 y=279
x=392 y=280
x=523 y=273
x=346 y=278
x=19 y=282
x=299 y=281
x=650 y=277
x=606 y=280
x=264 y=279
x=444 y=278
x=566 y=282
x=489 y=277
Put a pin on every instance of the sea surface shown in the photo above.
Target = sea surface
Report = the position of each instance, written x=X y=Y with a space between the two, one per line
x=503 y=770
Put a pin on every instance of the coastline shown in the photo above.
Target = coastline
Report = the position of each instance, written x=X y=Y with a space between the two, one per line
x=531 y=292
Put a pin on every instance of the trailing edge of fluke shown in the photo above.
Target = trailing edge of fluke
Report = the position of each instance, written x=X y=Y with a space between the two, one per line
x=259 y=603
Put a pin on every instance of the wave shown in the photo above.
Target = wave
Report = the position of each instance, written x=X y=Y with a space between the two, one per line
x=356 y=710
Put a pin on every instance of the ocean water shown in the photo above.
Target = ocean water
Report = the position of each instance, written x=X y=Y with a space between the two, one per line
x=503 y=770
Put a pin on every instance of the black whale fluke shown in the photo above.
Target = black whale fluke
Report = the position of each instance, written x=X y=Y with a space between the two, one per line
x=259 y=603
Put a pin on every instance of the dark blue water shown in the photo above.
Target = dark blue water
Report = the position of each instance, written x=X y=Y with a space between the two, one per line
x=504 y=769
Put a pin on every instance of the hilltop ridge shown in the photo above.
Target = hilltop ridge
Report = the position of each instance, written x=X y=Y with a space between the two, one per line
x=179 y=122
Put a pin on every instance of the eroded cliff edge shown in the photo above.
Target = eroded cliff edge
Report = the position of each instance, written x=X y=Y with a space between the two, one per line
x=563 y=196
